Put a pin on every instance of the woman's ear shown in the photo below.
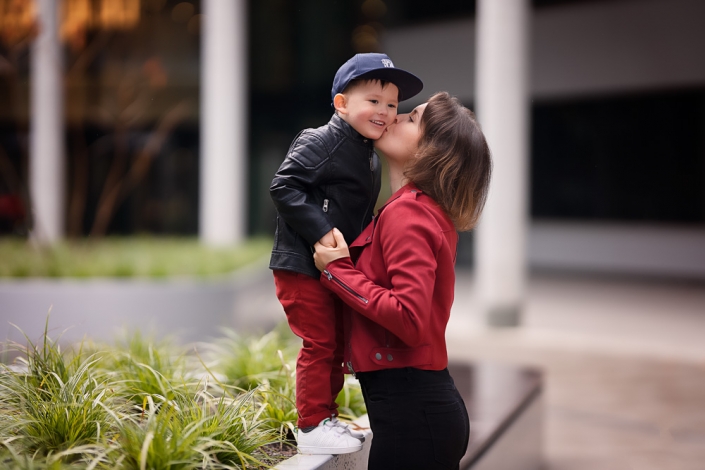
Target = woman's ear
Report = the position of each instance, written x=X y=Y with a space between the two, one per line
x=340 y=103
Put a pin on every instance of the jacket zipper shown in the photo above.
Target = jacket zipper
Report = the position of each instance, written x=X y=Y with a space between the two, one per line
x=344 y=286
x=325 y=205
x=372 y=181
x=361 y=298
x=349 y=363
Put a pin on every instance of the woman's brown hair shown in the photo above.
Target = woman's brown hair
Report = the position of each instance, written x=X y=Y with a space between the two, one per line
x=453 y=163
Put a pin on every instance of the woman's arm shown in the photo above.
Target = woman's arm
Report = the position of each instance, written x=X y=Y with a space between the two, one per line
x=410 y=239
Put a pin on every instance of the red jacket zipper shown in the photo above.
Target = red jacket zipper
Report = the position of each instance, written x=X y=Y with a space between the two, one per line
x=344 y=286
x=359 y=297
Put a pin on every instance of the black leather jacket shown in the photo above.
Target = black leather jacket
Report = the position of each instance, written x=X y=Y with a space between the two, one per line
x=329 y=178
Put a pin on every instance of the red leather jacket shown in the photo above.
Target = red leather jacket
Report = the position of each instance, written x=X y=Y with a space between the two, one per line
x=400 y=290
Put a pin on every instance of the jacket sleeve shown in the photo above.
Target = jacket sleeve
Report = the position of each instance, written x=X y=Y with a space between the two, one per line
x=303 y=169
x=410 y=240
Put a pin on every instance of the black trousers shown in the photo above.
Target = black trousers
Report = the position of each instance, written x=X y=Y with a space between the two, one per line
x=418 y=419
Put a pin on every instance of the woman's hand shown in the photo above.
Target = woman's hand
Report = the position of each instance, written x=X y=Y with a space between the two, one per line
x=327 y=254
x=328 y=239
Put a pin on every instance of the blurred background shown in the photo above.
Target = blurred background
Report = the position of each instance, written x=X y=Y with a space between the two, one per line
x=169 y=118
x=615 y=164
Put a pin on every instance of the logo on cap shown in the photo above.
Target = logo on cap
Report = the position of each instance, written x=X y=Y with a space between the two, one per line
x=387 y=63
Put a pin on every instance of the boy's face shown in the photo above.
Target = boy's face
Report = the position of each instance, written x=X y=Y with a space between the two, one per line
x=369 y=108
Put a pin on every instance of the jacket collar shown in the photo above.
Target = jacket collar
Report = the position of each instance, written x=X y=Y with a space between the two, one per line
x=347 y=130
x=407 y=188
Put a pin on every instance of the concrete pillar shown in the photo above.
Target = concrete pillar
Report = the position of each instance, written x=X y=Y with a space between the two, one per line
x=46 y=128
x=502 y=109
x=223 y=166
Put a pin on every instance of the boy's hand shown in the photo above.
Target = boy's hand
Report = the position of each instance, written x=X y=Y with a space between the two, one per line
x=325 y=254
x=328 y=240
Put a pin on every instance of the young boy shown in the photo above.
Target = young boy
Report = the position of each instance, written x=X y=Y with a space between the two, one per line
x=330 y=178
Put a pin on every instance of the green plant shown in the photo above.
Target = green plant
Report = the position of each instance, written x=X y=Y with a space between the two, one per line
x=236 y=433
x=351 y=403
x=145 y=404
x=201 y=432
x=280 y=411
x=141 y=367
x=127 y=257
x=247 y=361
x=53 y=404
x=157 y=439
x=86 y=457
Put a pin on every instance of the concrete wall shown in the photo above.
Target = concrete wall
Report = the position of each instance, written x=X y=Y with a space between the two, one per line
x=576 y=50
x=644 y=250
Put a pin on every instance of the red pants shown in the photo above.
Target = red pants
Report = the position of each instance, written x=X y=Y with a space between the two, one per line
x=314 y=315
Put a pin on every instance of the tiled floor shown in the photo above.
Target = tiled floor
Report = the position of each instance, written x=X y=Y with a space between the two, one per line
x=624 y=365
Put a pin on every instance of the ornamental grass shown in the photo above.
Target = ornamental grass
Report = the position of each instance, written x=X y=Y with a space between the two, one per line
x=141 y=403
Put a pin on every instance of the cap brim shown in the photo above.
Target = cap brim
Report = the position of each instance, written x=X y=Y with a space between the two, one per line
x=409 y=84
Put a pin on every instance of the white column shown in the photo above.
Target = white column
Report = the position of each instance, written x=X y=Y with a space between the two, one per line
x=223 y=165
x=502 y=109
x=46 y=140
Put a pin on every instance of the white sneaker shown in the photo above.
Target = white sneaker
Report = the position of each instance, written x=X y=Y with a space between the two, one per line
x=326 y=438
x=348 y=428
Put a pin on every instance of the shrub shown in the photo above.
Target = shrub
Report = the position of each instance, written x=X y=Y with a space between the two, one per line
x=53 y=404
x=142 y=403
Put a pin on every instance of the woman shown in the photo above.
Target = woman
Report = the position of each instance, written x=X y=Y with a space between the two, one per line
x=397 y=280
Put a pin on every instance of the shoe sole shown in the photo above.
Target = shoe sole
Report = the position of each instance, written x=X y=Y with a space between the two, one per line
x=328 y=450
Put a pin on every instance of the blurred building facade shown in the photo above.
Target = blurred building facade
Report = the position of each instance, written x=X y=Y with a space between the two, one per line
x=616 y=157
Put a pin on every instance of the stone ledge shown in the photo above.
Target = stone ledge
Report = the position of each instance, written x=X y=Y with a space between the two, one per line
x=355 y=460
x=505 y=405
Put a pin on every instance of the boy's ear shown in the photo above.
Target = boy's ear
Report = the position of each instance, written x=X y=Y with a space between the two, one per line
x=340 y=103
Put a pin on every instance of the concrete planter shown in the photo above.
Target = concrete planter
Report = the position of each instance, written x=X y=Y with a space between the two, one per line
x=190 y=309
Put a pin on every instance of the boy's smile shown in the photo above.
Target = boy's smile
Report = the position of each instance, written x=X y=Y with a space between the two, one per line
x=369 y=108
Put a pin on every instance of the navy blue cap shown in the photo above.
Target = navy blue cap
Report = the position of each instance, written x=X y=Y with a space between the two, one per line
x=376 y=66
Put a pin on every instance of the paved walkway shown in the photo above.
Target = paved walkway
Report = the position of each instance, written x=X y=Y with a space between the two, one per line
x=624 y=365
